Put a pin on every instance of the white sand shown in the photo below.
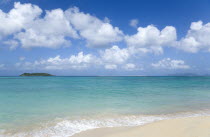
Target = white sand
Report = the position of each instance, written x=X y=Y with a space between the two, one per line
x=181 y=127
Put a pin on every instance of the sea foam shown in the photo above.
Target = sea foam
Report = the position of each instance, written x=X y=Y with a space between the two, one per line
x=67 y=127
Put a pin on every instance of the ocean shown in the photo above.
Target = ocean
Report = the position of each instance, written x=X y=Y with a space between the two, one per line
x=64 y=106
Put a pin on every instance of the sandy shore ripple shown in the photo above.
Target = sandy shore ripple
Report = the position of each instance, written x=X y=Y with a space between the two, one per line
x=180 y=127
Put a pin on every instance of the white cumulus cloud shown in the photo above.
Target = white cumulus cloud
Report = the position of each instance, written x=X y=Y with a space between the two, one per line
x=55 y=28
x=197 y=38
x=110 y=59
x=79 y=61
x=168 y=63
x=151 y=39
x=130 y=67
x=27 y=25
x=51 y=31
x=96 y=32
x=17 y=18
x=115 y=55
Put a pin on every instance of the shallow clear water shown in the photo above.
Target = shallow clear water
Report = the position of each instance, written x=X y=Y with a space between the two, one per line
x=63 y=106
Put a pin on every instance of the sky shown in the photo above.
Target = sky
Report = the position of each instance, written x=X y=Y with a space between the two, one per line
x=105 y=37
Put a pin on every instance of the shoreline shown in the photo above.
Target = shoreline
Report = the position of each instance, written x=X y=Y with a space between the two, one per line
x=113 y=127
x=178 y=127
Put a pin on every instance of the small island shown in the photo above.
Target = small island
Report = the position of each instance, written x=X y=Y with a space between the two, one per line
x=36 y=74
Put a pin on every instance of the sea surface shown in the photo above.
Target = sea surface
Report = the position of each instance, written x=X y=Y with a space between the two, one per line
x=64 y=106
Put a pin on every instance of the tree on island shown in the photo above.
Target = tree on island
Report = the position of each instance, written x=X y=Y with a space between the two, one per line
x=36 y=74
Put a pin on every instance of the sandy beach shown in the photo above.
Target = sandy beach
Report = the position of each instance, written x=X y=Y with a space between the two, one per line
x=180 y=127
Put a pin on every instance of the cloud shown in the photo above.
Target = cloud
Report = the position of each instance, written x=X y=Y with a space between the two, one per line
x=17 y=18
x=51 y=31
x=79 y=61
x=197 y=38
x=22 y=58
x=110 y=59
x=96 y=32
x=28 y=26
x=13 y=44
x=168 y=63
x=134 y=23
x=130 y=67
x=151 y=39
x=110 y=66
x=2 y=66
x=115 y=55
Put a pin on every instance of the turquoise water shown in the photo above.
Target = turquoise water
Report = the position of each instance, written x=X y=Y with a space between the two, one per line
x=63 y=106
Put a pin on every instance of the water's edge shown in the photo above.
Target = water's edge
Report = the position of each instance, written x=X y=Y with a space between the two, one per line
x=67 y=127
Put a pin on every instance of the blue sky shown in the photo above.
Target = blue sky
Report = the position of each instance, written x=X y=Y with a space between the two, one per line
x=106 y=37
